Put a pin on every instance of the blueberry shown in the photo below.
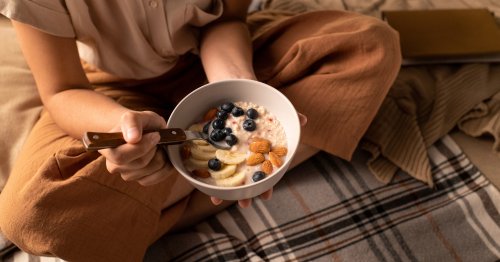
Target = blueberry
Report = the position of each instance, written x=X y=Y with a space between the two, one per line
x=227 y=131
x=252 y=113
x=237 y=111
x=249 y=125
x=218 y=124
x=257 y=176
x=227 y=107
x=214 y=164
x=206 y=127
x=231 y=140
x=222 y=115
x=217 y=135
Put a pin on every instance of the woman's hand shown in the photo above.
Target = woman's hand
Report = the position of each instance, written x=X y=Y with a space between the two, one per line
x=244 y=203
x=139 y=159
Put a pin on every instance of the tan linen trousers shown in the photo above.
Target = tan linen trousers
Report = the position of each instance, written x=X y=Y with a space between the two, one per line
x=336 y=68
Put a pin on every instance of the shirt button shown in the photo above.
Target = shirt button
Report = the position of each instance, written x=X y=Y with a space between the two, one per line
x=153 y=4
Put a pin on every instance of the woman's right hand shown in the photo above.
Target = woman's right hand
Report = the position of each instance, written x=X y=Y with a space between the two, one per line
x=139 y=159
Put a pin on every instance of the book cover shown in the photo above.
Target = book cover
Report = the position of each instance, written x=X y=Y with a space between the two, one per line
x=446 y=35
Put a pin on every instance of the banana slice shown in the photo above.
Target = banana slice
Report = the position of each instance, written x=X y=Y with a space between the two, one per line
x=228 y=157
x=197 y=163
x=207 y=148
x=226 y=171
x=200 y=142
x=235 y=180
x=196 y=127
x=200 y=154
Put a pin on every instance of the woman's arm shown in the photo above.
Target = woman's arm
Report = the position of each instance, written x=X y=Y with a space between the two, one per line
x=226 y=53
x=62 y=84
x=225 y=47
x=66 y=94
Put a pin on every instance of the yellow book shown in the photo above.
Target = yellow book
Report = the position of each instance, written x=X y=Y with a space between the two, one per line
x=446 y=35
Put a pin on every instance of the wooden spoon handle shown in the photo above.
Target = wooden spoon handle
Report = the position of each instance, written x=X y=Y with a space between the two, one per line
x=100 y=140
x=97 y=140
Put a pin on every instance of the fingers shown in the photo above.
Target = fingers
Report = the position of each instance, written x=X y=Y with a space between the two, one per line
x=267 y=195
x=133 y=123
x=150 y=174
x=133 y=155
x=244 y=203
x=302 y=119
x=131 y=127
x=141 y=167
x=216 y=201
x=135 y=171
x=139 y=159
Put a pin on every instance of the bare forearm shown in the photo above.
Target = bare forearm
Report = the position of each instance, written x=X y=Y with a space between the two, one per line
x=79 y=110
x=62 y=84
x=226 y=51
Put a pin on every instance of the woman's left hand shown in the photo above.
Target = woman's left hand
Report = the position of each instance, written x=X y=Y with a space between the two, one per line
x=244 y=203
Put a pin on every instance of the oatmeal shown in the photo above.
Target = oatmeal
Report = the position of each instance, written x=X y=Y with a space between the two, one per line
x=257 y=143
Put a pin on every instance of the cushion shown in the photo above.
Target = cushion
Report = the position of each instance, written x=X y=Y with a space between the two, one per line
x=20 y=105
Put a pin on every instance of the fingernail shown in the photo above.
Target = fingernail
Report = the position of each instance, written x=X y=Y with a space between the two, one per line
x=245 y=203
x=216 y=201
x=303 y=119
x=132 y=133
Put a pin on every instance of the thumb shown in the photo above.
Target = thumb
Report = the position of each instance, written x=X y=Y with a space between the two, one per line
x=131 y=128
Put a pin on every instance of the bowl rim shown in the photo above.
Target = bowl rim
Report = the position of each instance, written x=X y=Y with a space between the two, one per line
x=285 y=164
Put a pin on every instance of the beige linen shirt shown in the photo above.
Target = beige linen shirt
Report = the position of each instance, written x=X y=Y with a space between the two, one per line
x=136 y=39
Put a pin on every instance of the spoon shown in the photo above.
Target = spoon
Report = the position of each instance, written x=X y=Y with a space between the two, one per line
x=168 y=136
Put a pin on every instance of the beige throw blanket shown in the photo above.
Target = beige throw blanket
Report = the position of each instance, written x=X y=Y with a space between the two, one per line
x=484 y=120
x=20 y=105
x=424 y=104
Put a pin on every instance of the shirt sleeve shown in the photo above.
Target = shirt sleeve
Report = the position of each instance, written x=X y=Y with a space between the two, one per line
x=50 y=16
x=201 y=12
x=185 y=19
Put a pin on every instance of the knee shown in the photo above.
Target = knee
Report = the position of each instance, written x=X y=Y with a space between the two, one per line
x=380 y=41
x=359 y=33
x=30 y=209
x=24 y=202
x=76 y=219
x=20 y=223
x=63 y=225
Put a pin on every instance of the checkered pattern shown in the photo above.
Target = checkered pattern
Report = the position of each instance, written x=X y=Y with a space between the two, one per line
x=329 y=209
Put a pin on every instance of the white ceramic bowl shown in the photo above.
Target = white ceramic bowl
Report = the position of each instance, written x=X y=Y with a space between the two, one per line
x=192 y=108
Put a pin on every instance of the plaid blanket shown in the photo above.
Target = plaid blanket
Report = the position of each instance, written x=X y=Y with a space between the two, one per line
x=329 y=209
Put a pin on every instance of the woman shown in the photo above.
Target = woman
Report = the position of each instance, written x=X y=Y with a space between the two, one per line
x=60 y=200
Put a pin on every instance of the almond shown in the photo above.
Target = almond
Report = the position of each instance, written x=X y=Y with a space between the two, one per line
x=210 y=114
x=255 y=159
x=267 y=167
x=275 y=159
x=280 y=151
x=203 y=173
x=262 y=146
